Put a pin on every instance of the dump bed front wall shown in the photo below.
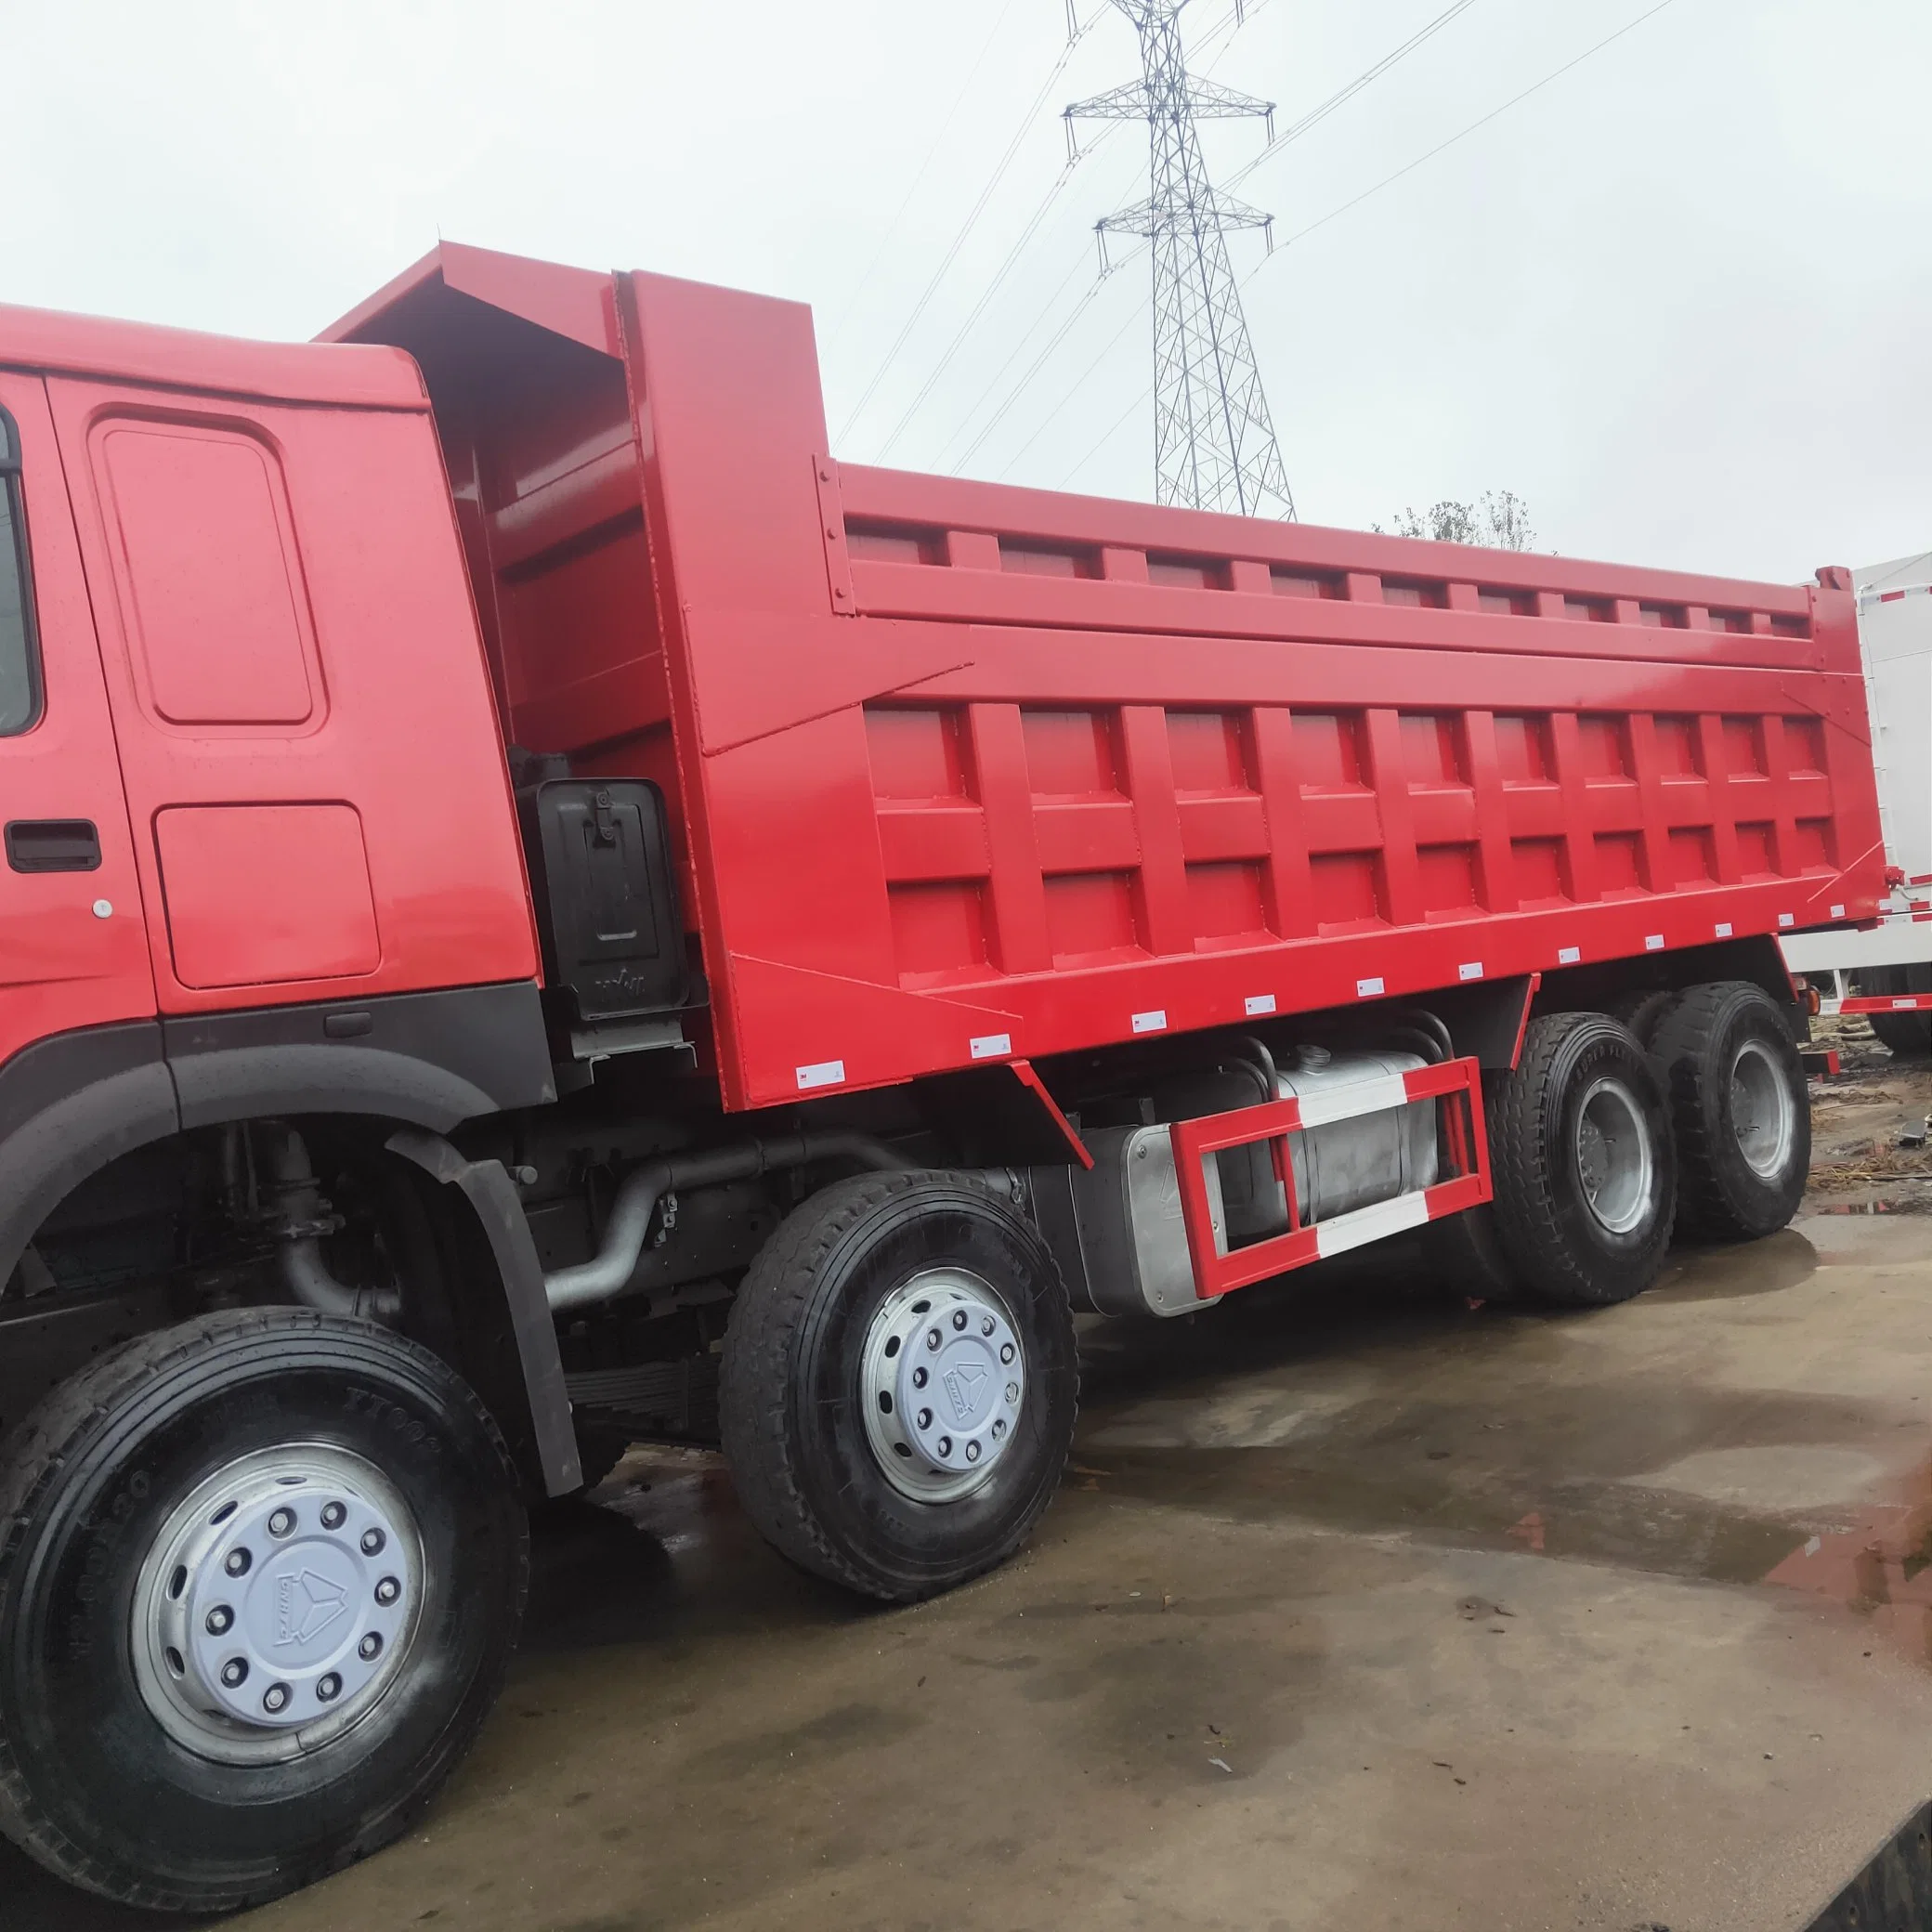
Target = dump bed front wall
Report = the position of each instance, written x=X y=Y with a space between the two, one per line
x=973 y=772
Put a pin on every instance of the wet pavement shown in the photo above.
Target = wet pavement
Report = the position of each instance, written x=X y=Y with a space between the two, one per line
x=1362 y=1607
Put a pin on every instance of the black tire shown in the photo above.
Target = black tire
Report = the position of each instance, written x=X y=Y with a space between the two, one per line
x=1559 y=1247
x=789 y=1393
x=1709 y=1033
x=1465 y=1255
x=92 y=1785
x=1905 y=1035
x=1642 y=1012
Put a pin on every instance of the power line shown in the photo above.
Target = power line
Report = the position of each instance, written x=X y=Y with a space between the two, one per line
x=979 y=308
x=1231 y=18
x=1388 y=182
x=979 y=207
x=892 y=227
x=1443 y=146
x=1040 y=362
x=1315 y=116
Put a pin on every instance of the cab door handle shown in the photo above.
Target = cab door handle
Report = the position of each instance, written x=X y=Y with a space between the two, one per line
x=53 y=846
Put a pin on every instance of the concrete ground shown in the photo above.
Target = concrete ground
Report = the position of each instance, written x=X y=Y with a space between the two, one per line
x=1360 y=1608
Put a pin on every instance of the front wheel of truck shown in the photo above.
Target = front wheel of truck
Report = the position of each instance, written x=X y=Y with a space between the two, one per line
x=260 y=1578
x=899 y=1384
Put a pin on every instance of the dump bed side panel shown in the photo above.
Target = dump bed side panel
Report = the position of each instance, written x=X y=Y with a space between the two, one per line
x=979 y=771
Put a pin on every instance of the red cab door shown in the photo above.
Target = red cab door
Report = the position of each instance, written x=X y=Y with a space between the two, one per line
x=73 y=950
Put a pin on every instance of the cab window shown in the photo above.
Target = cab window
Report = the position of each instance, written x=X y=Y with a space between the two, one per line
x=19 y=663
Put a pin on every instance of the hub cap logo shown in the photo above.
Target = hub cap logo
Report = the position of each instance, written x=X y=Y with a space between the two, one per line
x=305 y=1604
x=963 y=1387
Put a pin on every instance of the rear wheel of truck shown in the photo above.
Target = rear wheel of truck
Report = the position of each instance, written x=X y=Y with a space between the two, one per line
x=1583 y=1167
x=899 y=1384
x=1740 y=1110
x=260 y=1581
x=1905 y=1035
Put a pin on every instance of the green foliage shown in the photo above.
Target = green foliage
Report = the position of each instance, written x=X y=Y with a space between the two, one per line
x=1500 y=521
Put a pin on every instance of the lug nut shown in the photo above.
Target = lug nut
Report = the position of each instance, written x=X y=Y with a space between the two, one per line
x=959 y=1318
x=946 y=1445
x=372 y=1543
x=275 y=1698
x=333 y=1515
x=387 y=1590
x=237 y=1562
x=234 y=1673
x=282 y=1523
x=918 y=1378
x=1012 y=1391
x=371 y=1646
x=925 y=1418
x=221 y=1620
x=985 y=1325
x=932 y=1338
x=973 y=1452
x=999 y=1427
x=328 y=1688
x=1006 y=1353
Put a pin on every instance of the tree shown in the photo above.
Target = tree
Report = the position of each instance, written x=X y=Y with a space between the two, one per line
x=1500 y=521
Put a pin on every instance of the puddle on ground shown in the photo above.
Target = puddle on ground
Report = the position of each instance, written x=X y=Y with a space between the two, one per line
x=1781 y=1261
x=1879 y=1566
x=1370 y=1401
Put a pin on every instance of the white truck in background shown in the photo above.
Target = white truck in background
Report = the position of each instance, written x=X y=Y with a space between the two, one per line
x=1884 y=971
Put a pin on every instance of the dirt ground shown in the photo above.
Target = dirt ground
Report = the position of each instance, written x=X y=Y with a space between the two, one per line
x=1361 y=1608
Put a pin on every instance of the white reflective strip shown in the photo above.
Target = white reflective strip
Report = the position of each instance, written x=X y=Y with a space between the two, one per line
x=1569 y=955
x=1469 y=968
x=992 y=1046
x=828 y=1073
x=1723 y=929
x=1373 y=1096
x=1366 y=1224
x=1260 y=1003
x=1837 y=912
x=1369 y=989
x=1905 y=1006
x=1653 y=942
x=1786 y=918
x=1150 y=1022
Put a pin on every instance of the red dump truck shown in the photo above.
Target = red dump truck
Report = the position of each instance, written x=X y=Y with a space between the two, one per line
x=541 y=909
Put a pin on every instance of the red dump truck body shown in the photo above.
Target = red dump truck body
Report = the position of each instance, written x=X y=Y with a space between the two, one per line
x=972 y=773
x=541 y=909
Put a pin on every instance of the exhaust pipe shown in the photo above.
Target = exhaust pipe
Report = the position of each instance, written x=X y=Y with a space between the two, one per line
x=609 y=1271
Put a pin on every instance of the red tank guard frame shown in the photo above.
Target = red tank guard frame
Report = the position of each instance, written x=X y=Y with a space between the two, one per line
x=1459 y=1082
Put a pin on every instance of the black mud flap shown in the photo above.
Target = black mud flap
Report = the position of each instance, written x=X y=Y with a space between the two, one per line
x=499 y=1210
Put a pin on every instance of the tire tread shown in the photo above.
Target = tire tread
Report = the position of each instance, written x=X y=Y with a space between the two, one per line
x=30 y=1460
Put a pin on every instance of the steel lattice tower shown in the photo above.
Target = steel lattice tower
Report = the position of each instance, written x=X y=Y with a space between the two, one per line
x=1214 y=446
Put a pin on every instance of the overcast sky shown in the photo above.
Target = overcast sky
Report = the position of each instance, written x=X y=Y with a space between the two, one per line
x=1680 y=299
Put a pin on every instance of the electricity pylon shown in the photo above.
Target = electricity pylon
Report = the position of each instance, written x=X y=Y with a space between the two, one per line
x=1214 y=446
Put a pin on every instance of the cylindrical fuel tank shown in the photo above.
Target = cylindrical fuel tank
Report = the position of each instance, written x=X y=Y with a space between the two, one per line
x=1343 y=1166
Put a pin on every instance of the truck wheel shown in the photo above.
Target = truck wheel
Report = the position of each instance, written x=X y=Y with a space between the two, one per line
x=1584 y=1172
x=899 y=1384
x=1905 y=1035
x=1739 y=1109
x=260 y=1580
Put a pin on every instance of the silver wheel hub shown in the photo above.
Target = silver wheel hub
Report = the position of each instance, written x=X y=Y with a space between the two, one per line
x=277 y=1604
x=944 y=1384
x=1763 y=1114
x=1613 y=1158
